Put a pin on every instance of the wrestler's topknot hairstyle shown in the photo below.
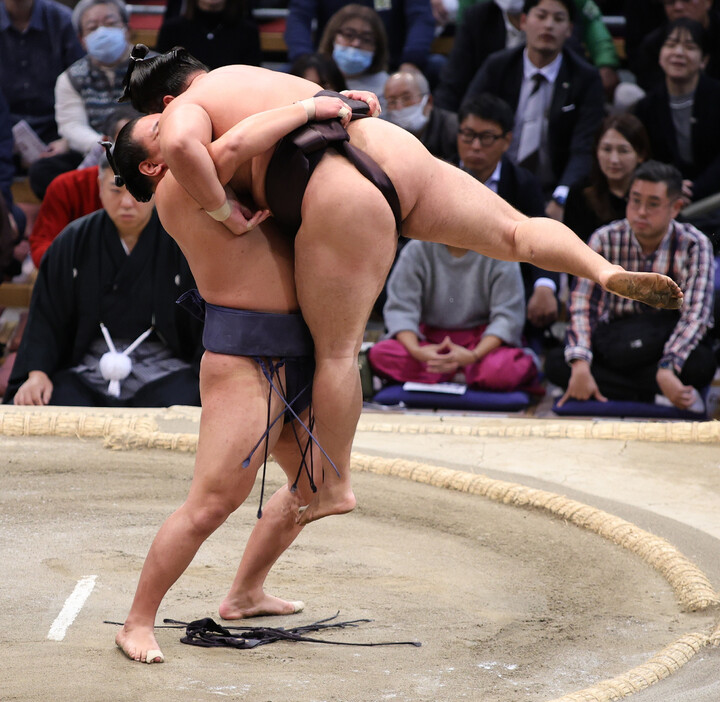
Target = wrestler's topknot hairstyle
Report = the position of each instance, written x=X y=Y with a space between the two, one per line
x=128 y=153
x=149 y=80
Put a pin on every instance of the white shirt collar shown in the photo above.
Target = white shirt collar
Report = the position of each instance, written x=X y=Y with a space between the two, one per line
x=550 y=71
x=494 y=179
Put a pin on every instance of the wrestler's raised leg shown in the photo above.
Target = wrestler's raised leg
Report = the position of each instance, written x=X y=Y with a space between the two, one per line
x=234 y=397
x=441 y=203
x=271 y=536
x=343 y=252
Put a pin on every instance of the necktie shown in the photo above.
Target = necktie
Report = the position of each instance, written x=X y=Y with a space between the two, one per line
x=532 y=126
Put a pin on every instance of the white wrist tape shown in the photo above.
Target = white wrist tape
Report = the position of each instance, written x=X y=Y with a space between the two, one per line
x=221 y=213
x=309 y=105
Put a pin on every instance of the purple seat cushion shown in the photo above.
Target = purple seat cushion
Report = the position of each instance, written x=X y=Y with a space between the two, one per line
x=469 y=400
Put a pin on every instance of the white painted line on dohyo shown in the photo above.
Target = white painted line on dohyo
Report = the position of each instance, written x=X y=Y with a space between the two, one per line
x=71 y=608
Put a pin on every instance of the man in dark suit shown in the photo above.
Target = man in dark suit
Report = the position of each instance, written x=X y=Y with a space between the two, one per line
x=484 y=136
x=493 y=25
x=566 y=90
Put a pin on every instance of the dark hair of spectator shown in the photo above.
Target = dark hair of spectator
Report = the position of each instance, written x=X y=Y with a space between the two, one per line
x=490 y=108
x=233 y=10
x=569 y=6
x=697 y=32
x=120 y=113
x=149 y=80
x=656 y=172
x=128 y=153
x=632 y=129
x=331 y=77
x=352 y=11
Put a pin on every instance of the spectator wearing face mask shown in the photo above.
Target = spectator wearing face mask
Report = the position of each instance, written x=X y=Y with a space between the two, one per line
x=408 y=25
x=87 y=92
x=355 y=38
x=409 y=104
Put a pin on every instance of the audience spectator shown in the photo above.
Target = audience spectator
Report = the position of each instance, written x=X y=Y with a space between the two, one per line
x=356 y=40
x=69 y=196
x=116 y=267
x=8 y=238
x=216 y=32
x=409 y=104
x=682 y=115
x=484 y=136
x=320 y=69
x=616 y=350
x=556 y=95
x=409 y=26
x=14 y=247
x=73 y=194
x=451 y=310
x=645 y=64
x=492 y=25
x=621 y=145
x=37 y=43
x=87 y=92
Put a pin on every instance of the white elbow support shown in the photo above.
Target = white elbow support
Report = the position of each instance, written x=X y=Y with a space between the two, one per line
x=221 y=213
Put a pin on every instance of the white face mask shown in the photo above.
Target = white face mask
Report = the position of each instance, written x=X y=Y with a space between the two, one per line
x=107 y=44
x=410 y=118
x=512 y=7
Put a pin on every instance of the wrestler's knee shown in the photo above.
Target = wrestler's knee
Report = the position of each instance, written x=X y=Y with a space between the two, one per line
x=206 y=517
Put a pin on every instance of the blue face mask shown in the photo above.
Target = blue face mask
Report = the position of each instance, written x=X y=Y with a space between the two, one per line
x=352 y=61
x=107 y=44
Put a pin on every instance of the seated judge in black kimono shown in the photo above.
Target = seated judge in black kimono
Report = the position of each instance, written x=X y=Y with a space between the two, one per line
x=105 y=281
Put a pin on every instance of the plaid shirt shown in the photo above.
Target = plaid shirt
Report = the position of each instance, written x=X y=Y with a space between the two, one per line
x=692 y=270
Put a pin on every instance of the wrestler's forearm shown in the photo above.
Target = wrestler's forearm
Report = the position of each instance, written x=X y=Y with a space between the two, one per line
x=253 y=136
x=193 y=167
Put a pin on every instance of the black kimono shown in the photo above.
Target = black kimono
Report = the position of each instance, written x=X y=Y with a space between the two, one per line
x=85 y=278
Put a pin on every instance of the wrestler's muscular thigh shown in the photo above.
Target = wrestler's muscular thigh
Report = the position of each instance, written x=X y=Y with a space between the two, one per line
x=234 y=396
x=439 y=201
x=343 y=253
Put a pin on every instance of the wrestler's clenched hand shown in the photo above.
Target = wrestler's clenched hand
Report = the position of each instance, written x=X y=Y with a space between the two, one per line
x=365 y=96
x=327 y=107
x=242 y=218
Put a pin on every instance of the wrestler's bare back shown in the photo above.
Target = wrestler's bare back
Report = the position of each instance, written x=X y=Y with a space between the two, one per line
x=232 y=93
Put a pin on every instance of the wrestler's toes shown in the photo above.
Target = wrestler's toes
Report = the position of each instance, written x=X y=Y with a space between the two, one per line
x=139 y=647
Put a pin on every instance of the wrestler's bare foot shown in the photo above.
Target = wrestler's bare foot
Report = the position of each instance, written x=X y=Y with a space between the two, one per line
x=139 y=644
x=268 y=605
x=328 y=500
x=651 y=288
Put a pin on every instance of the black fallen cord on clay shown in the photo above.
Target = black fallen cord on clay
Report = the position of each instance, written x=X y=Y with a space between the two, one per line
x=207 y=633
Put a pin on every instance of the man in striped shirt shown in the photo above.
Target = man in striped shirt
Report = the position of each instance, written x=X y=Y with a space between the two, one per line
x=619 y=349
